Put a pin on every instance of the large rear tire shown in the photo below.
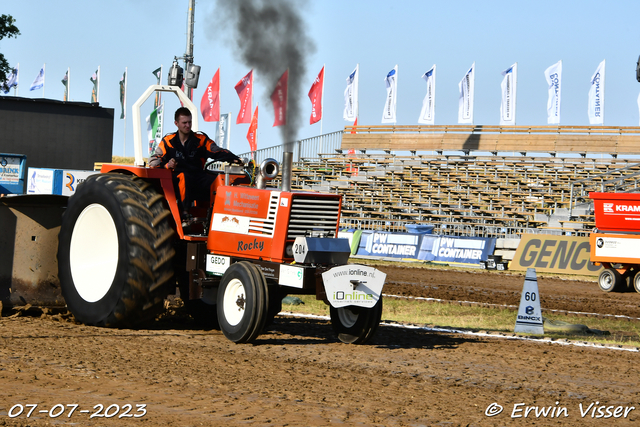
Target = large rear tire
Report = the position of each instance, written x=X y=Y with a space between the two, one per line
x=115 y=251
x=356 y=325
x=243 y=301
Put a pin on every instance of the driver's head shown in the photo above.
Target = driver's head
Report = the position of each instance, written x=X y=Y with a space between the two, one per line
x=183 y=120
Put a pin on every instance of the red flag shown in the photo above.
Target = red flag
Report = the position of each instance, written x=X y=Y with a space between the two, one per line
x=315 y=95
x=279 y=100
x=244 y=88
x=210 y=103
x=252 y=134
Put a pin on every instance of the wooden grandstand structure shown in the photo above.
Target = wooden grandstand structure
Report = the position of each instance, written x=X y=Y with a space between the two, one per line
x=474 y=180
x=613 y=140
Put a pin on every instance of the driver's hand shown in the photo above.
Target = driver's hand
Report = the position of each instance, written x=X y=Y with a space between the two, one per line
x=171 y=164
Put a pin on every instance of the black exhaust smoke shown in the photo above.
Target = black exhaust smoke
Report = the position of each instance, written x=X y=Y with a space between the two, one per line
x=270 y=37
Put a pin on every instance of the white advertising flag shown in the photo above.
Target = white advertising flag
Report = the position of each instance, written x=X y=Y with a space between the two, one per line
x=596 y=96
x=553 y=74
x=351 y=97
x=428 y=113
x=465 y=100
x=12 y=80
x=508 y=104
x=223 y=131
x=39 y=80
x=391 y=82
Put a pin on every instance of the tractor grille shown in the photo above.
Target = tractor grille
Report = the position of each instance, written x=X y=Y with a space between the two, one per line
x=313 y=216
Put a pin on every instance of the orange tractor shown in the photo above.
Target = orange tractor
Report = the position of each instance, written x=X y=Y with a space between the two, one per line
x=122 y=249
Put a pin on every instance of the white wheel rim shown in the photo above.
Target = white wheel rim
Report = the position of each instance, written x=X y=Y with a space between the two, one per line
x=93 y=252
x=606 y=281
x=234 y=302
x=347 y=317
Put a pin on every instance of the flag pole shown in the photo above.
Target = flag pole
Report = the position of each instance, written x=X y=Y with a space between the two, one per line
x=324 y=72
x=68 y=83
x=515 y=87
x=228 y=133
x=124 y=108
x=357 y=92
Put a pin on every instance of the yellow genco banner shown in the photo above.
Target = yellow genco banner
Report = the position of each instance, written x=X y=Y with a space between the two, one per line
x=554 y=254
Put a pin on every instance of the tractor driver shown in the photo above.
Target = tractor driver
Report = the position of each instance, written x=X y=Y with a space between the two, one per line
x=185 y=153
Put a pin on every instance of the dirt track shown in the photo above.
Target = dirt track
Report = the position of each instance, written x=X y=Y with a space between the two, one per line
x=298 y=374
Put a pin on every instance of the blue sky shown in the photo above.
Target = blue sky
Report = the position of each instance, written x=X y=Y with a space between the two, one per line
x=141 y=35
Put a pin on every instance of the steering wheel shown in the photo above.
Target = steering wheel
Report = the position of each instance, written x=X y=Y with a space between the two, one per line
x=249 y=168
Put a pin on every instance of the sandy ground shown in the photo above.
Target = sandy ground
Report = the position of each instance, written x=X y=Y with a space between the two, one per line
x=298 y=374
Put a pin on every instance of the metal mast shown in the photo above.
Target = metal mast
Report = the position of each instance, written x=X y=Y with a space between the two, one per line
x=188 y=55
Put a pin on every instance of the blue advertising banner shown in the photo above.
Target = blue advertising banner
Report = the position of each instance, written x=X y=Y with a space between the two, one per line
x=393 y=245
x=469 y=250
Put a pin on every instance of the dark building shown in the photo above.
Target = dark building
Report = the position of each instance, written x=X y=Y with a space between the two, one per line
x=56 y=134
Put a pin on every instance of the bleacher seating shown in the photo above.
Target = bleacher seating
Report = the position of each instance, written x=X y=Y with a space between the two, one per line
x=479 y=194
x=459 y=179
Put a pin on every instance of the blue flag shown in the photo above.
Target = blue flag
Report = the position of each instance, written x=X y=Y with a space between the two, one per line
x=39 y=81
x=11 y=81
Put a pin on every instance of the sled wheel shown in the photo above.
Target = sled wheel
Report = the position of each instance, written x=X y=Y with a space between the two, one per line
x=242 y=302
x=115 y=252
x=610 y=280
x=355 y=325
x=636 y=282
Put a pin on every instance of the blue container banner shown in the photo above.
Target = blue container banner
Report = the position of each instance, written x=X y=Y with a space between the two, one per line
x=393 y=245
x=468 y=250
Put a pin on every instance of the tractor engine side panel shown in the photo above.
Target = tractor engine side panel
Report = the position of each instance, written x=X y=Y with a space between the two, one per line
x=244 y=223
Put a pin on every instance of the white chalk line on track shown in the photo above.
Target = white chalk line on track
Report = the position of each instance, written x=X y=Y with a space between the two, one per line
x=498 y=335
x=582 y=313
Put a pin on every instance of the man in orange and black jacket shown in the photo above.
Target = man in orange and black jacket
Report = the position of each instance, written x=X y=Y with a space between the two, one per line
x=186 y=152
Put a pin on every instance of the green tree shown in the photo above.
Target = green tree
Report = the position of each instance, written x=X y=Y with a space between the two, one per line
x=7 y=29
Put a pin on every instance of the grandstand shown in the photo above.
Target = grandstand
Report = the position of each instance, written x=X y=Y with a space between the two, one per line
x=468 y=180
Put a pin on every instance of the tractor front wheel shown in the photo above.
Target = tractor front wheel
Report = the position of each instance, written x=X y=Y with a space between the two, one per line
x=243 y=302
x=356 y=325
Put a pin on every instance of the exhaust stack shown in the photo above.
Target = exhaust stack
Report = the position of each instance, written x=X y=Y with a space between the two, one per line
x=268 y=170
x=287 y=166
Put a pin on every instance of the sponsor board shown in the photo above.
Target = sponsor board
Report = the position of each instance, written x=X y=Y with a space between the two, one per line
x=40 y=181
x=353 y=284
x=55 y=181
x=426 y=247
x=456 y=249
x=394 y=245
x=10 y=168
x=554 y=254
x=71 y=179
